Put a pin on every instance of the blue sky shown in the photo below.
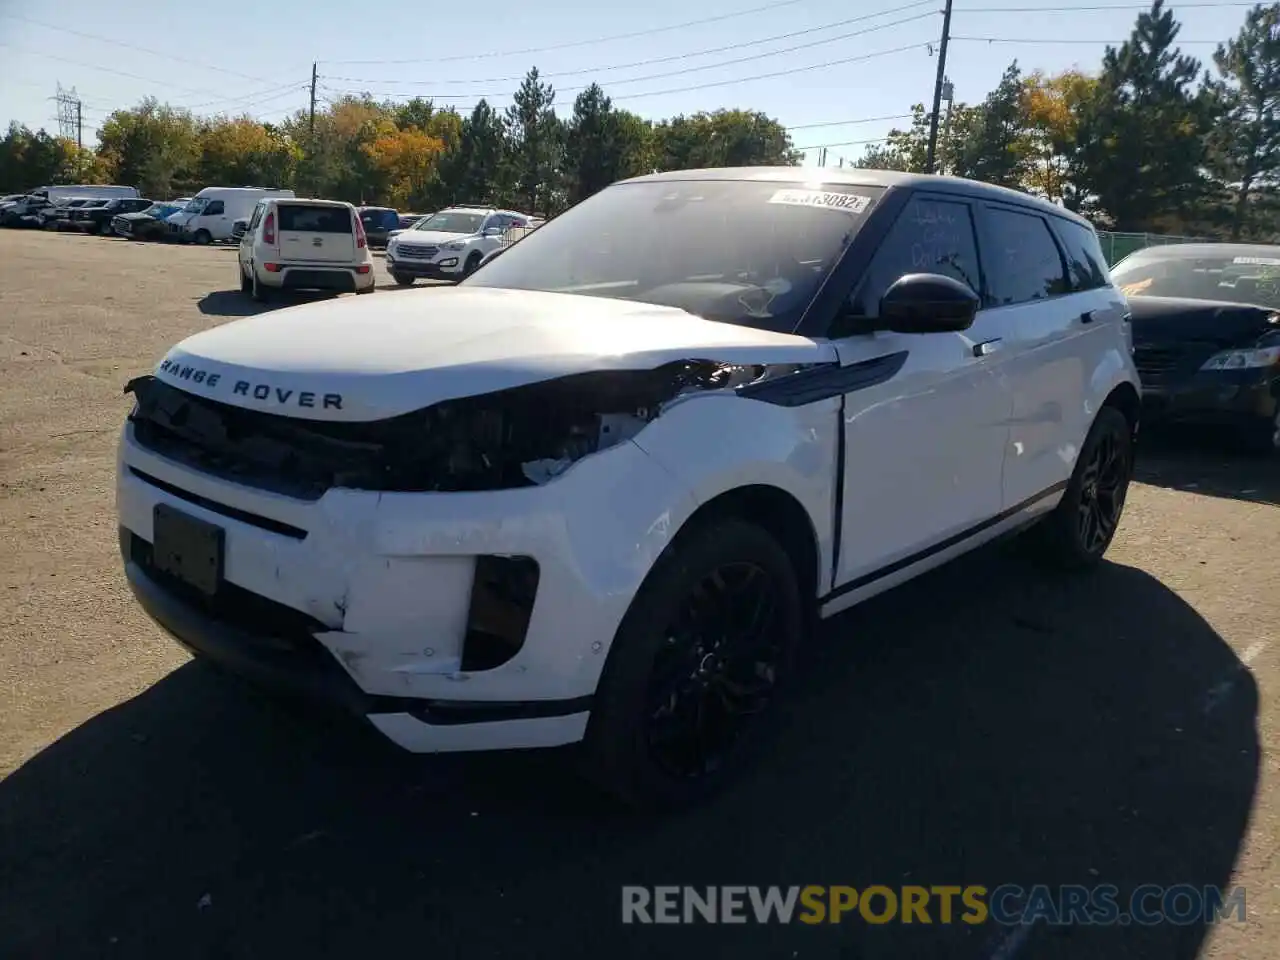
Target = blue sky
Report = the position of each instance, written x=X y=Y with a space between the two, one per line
x=216 y=60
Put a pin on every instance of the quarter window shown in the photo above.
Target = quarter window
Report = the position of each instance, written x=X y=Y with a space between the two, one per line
x=929 y=236
x=1085 y=262
x=1022 y=258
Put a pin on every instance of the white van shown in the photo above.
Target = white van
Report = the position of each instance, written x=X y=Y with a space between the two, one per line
x=212 y=212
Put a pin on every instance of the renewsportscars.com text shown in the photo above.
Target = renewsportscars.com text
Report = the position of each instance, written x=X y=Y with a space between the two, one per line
x=1064 y=905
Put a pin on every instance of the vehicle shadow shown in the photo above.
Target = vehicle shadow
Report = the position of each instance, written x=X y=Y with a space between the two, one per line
x=1207 y=464
x=986 y=724
x=233 y=303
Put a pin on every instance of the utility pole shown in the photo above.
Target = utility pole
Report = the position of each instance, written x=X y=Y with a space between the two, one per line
x=949 y=95
x=937 y=89
x=822 y=157
x=311 y=122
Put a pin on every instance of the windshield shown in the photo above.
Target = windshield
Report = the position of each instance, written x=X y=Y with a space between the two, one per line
x=196 y=205
x=451 y=221
x=160 y=210
x=747 y=252
x=1226 y=278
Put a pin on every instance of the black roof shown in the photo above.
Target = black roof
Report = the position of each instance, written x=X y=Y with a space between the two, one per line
x=858 y=177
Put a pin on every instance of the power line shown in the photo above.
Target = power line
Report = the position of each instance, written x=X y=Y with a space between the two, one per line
x=679 y=56
x=185 y=59
x=1180 y=41
x=843 y=143
x=737 y=60
x=1111 y=6
x=845 y=123
x=584 y=43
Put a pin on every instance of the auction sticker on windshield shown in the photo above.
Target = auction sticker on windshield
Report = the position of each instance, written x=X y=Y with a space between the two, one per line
x=1257 y=261
x=852 y=202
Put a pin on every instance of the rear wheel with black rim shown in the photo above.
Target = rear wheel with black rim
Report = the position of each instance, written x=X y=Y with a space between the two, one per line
x=1078 y=532
x=697 y=661
x=261 y=292
x=1263 y=440
x=246 y=285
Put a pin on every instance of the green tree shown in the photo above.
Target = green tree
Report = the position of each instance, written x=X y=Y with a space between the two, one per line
x=1245 y=143
x=907 y=150
x=602 y=145
x=536 y=141
x=1140 y=142
x=1053 y=106
x=31 y=159
x=991 y=140
x=724 y=138
x=475 y=172
x=153 y=146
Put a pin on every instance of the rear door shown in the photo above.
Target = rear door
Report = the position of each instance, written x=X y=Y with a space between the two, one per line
x=316 y=232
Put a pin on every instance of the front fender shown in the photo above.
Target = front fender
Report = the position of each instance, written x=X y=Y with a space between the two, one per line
x=715 y=443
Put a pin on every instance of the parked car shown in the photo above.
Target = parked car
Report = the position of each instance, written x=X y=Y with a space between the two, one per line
x=238 y=228
x=294 y=244
x=593 y=493
x=379 y=223
x=97 y=217
x=148 y=224
x=69 y=191
x=1206 y=336
x=449 y=245
x=410 y=220
x=58 y=213
x=210 y=214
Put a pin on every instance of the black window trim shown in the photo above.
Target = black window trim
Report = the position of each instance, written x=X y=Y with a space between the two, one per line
x=1060 y=224
x=1044 y=217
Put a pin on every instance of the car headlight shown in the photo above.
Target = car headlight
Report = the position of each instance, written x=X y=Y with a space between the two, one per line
x=455 y=246
x=1243 y=359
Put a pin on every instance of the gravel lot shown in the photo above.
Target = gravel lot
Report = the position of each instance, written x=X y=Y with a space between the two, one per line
x=988 y=725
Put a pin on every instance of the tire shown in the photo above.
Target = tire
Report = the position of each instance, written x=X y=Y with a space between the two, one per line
x=402 y=279
x=1076 y=535
x=472 y=264
x=104 y=229
x=203 y=238
x=620 y=753
x=369 y=289
x=1263 y=440
x=260 y=292
x=246 y=285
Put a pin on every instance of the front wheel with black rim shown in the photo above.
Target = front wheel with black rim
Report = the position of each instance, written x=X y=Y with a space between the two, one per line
x=1263 y=439
x=472 y=264
x=402 y=279
x=698 y=659
x=1078 y=532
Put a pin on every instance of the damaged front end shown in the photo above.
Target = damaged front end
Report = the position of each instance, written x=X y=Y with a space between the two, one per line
x=523 y=436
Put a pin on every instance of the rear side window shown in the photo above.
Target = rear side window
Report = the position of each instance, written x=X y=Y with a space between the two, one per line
x=1022 y=259
x=257 y=215
x=1085 y=262
x=929 y=236
x=314 y=219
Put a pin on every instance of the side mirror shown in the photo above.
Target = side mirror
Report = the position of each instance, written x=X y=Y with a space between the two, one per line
x=492 y=231
x=928 y=303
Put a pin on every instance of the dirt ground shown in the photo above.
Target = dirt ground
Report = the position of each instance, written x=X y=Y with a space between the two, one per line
x=985 y=724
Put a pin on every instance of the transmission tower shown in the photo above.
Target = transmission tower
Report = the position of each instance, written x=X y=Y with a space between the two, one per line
x=70 y=115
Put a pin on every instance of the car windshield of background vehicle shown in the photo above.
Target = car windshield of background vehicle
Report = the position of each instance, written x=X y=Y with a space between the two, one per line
x=752 y=253
x=195 y=206
x=1253 y=279
x=452 y=222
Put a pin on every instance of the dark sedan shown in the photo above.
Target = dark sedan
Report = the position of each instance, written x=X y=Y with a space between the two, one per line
x=378 y=223
x=148 y=224
x=96 y=217
x=1206 y=336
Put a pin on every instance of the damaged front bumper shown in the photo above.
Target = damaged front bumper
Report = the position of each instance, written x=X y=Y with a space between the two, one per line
x=453 y=621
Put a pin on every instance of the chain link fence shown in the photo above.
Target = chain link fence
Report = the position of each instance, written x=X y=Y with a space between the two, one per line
x=1117 y=246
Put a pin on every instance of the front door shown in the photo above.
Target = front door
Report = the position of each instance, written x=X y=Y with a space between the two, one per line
x=924 y=448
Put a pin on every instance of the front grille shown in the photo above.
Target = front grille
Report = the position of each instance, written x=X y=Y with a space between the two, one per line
x=410 y=252
x=121 y=225
x=1160 y=363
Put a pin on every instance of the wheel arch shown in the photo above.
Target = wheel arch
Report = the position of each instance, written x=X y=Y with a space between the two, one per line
x=1125 y=398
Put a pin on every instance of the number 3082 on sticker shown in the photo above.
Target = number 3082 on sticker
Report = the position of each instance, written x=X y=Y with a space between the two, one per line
x=851 y=202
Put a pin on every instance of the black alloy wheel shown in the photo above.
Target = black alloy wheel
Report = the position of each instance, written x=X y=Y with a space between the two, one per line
x=715 y=671
x=1104 y=482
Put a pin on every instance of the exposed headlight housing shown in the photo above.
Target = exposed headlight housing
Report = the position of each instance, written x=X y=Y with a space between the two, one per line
x=1254 y=359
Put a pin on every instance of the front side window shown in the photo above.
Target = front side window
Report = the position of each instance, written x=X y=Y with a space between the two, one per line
x=929 y=236
x=215 y=208
x=748 y=252
x=1022 y=260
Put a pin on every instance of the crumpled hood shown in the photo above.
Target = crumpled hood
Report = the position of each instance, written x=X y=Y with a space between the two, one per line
x=366 y=358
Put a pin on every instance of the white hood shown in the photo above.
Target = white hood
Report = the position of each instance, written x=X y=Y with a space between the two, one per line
x=366 y=358
x=437 y=237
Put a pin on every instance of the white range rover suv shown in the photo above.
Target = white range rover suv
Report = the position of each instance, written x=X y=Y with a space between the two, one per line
x=449 y=245
x=594 y=492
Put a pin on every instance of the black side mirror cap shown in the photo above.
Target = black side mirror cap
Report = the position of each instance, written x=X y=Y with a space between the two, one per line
x=928 y=303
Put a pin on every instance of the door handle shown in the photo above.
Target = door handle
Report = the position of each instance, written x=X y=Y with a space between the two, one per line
x=987 y=347
x=1088 y=316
